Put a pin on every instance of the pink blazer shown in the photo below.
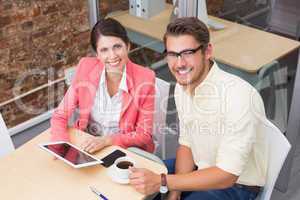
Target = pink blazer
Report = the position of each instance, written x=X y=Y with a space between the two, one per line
x=136 y=118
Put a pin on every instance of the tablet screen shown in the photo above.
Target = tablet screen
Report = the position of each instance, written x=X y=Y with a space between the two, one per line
x=70 y=153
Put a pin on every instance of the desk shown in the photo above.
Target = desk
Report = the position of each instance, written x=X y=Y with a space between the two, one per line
x=237 y=45
x=30 y=173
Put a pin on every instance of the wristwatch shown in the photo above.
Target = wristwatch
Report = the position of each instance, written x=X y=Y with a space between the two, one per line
x=163 y=187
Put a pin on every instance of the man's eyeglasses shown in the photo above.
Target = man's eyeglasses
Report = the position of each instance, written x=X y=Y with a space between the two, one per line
x=184 y=54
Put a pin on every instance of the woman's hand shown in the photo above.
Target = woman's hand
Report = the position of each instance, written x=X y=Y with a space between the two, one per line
x=93 y=144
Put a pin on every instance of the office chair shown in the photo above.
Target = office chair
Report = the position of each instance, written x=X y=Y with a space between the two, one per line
x=160 y=129
x=228 y=10
x=266 y=80
x=69 y=73
x=278 y=148
x=6 y=145
x=259 y=16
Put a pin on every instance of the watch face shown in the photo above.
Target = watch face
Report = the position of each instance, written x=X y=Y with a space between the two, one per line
x=163 y=189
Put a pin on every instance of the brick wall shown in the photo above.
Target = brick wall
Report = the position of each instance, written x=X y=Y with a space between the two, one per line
x=38 y=39
x=214 y=6
x=107 y=6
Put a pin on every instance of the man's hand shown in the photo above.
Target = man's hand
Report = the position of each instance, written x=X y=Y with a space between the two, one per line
x=174 y=195
x=93 y=144
x=144 y=181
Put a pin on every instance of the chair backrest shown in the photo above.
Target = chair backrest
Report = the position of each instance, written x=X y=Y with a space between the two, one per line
x=6 y=145
x=162 y=89
x=69 y=73
x=268 y=77
x=278 y=149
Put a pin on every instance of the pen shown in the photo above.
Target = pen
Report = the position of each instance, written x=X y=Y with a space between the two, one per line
x=98 y=193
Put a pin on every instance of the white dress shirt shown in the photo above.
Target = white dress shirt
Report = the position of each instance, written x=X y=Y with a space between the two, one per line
x=105 y=113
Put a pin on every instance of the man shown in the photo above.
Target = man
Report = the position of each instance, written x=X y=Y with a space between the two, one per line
x=221 y=152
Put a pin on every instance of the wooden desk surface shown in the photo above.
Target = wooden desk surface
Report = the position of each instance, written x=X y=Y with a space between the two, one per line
x=30 y=173
x=237 y=45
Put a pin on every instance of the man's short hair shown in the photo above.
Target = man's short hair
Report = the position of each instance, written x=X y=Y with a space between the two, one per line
x=188 y=26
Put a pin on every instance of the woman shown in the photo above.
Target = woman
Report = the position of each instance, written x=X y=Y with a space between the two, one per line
x=114 y=96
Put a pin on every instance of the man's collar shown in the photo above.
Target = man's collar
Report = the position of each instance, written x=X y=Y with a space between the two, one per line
x=207 y=79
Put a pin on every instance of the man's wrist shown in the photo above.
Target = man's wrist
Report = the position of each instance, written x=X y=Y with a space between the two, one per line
x=163 y=185
x=174 y=193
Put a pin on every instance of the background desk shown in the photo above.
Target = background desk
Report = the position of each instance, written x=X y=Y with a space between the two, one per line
x=30 y=173
x=237 y=45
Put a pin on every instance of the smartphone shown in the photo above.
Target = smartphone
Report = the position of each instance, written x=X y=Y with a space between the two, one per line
x=110 y=158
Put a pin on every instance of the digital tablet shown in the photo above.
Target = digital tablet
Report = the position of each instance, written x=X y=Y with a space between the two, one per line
x=70 y=154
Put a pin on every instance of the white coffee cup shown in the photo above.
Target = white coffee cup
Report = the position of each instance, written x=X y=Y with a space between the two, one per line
x=121 y=167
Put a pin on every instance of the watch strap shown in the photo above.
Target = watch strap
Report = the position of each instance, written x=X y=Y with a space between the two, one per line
x=163 y=179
